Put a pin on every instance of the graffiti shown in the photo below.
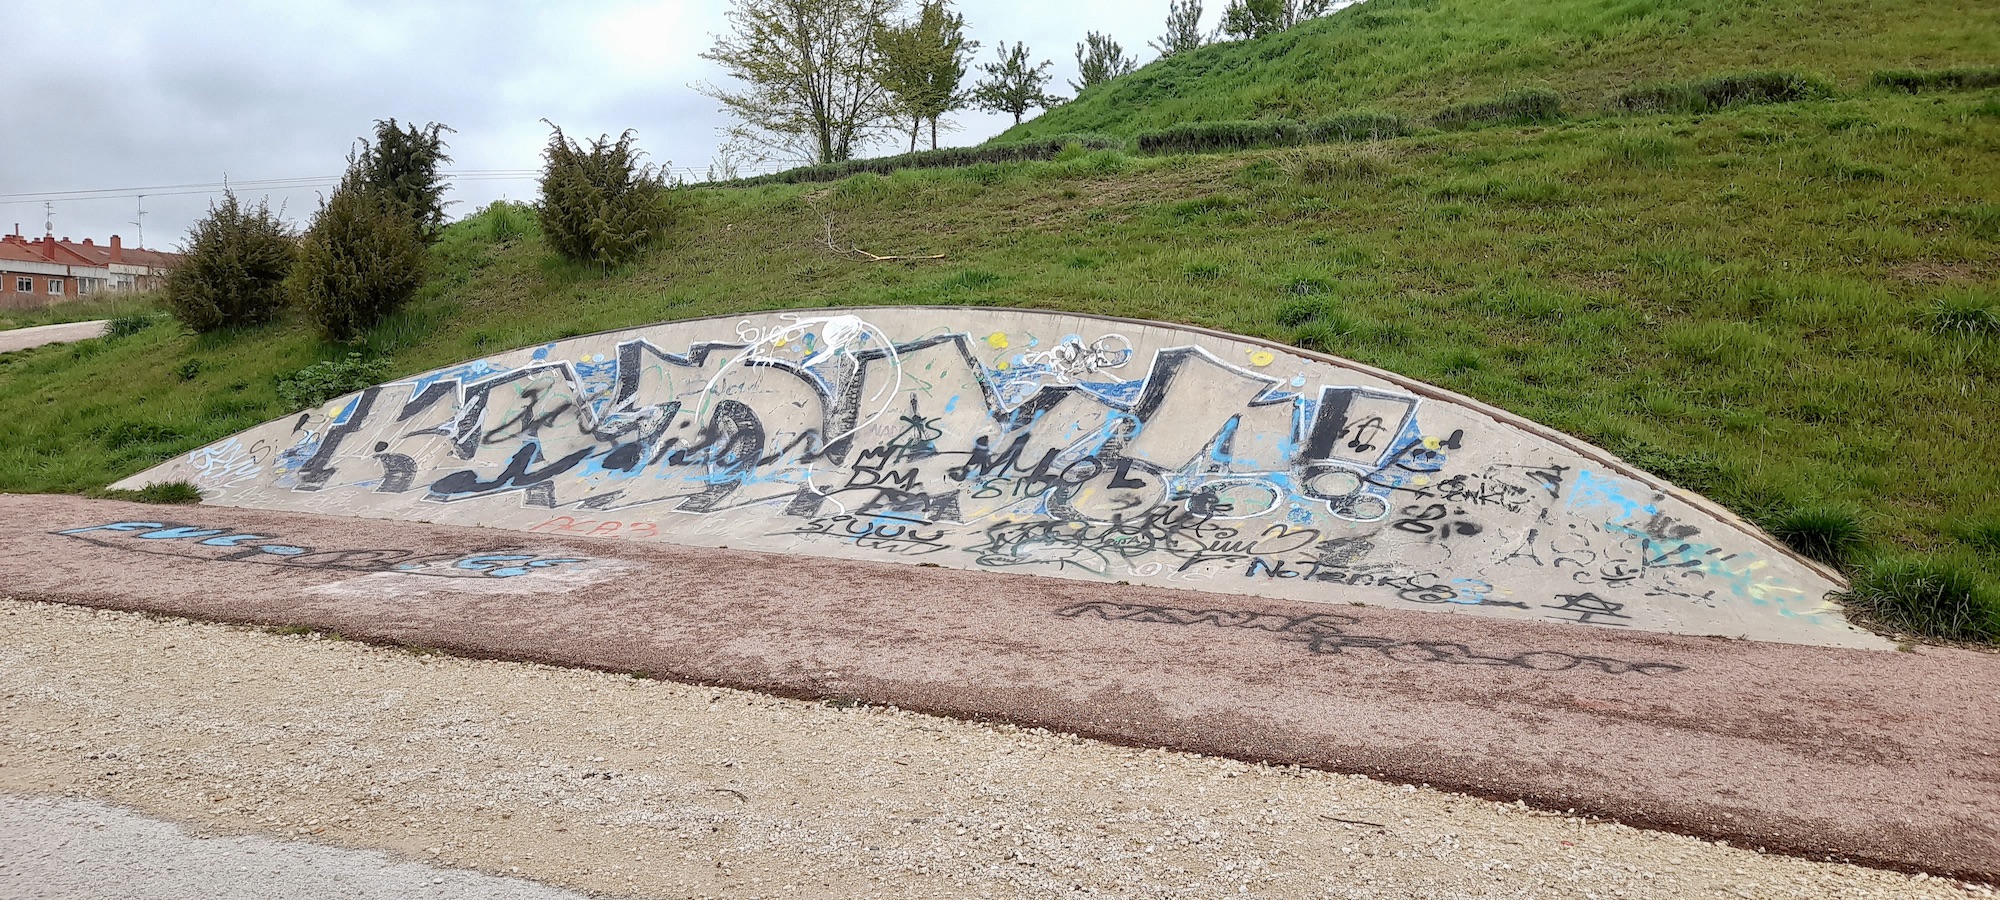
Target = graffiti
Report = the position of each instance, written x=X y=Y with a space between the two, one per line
x=1327 y=635
x=597 y=527
x=230 y=545
x=887 y=533
x=1586 y=608
x=1024 y=442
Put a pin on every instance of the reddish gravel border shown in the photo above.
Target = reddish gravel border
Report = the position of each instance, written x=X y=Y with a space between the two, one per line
x=1884 y=758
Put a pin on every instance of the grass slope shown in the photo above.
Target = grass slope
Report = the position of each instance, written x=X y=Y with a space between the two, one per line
x=1416 y=56
x=1792 y=308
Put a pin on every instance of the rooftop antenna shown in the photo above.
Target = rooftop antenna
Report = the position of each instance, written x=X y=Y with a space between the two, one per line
x=49 y=222
x=141 y=222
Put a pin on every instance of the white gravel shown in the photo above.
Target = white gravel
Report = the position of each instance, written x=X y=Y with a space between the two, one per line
x=632 y=787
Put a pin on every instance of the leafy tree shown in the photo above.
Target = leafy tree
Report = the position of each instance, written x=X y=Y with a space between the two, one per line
x=235 y=267
x=1183 y=29
x=360 y=260
x=600 y=205
x=921 y=62
x=1013 y=86
x=403 y=165
x=1250 y=19
x=1100 y=59
x=809 y=74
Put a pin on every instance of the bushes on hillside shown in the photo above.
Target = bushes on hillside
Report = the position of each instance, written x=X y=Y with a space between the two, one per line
x=600 y=205
x=1722 y=91
x=235 y=267
x=949 y=157
x=1917 y=81
x=362 y=259
x=1527 y=106
x=402 y=164
x=1210 y=137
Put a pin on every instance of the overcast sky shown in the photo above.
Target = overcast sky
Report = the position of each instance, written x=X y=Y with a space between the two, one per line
x=114 y=97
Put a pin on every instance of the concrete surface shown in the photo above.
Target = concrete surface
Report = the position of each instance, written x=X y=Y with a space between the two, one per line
x=638 y=787
x=23 y=338
x=1880 y=757
x=68 y=849
x=1050 y=444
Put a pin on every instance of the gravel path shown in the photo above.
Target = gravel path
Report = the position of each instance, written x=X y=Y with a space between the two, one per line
x=23 y=338
x=1821 y=752
x=634 y=787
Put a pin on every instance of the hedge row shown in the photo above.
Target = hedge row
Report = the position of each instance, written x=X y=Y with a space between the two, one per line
x=1937 y=79
x=1210 y=137
x=1722 y=91
x=1527 y=106
x=946 y=158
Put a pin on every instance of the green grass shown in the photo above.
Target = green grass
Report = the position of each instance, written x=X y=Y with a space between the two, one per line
x=1783 y=306
x=1416 y=57
x=98 y=306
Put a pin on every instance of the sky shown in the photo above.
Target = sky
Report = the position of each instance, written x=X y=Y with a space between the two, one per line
x=105 y=101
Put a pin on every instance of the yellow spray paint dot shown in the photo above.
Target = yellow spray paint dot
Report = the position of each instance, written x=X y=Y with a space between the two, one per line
x=1262 y=358
x=1431 y=443
x=780 y=342
x=1003 y=365
x=1421 y=480
x=998 y=339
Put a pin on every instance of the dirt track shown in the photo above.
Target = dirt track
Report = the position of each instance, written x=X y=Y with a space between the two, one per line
x=1881 y=757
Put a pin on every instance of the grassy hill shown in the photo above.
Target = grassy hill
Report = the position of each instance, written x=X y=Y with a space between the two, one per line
x=1416 y=56
x=1794 y=308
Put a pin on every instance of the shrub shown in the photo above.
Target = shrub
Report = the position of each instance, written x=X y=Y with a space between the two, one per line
x=1037 y=150
x=361 y=260
x=1214 y=137
x=1968 y=314
x=1916 y=81
x=1938 y=597
x=1824 y=533
x=170 y=492
x=402 y=165
x=600 y=206
x=1723 y=91
x=128 y=325
x=234 y=270
x=323 y=381
x=1527 y=106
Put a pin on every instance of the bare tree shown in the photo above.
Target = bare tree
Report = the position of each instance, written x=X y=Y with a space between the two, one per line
x=1013 y=86
x=1183 y=29
x=809 y=73
x=1100 y=59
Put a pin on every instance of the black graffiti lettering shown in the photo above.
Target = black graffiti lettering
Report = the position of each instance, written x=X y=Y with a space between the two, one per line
x=1331 y=635
x=1586 y=608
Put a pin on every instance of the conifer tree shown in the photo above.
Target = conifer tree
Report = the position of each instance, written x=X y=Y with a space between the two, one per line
x=1100 y=59
x=1012 y=85
x=234 y=267
x=600 y=205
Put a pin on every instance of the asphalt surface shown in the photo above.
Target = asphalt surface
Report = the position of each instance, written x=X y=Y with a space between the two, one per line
x=1881 y=757
x=62 y=848
x=23 y=338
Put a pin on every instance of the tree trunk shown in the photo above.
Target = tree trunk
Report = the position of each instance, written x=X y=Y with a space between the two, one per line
x=934 y=132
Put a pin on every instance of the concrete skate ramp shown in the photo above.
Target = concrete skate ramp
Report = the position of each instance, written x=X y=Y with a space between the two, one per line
x=1065 y=445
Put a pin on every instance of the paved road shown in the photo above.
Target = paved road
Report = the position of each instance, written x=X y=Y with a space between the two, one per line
x=24 y=338
x=61 y=848
x=1877 y=756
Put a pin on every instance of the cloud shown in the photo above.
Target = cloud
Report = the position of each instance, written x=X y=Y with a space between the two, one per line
x=178 y=92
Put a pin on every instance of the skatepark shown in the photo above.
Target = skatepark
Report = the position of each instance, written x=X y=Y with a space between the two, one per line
x=1059 y=534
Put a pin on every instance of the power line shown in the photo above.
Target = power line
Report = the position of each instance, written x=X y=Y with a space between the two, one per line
x=269 y=185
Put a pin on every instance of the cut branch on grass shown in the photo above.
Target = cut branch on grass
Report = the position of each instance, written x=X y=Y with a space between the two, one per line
x=855 y=252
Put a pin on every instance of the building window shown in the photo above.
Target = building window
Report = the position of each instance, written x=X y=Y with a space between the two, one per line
x=83 y=286
x=24 y=285
x=55 y=286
